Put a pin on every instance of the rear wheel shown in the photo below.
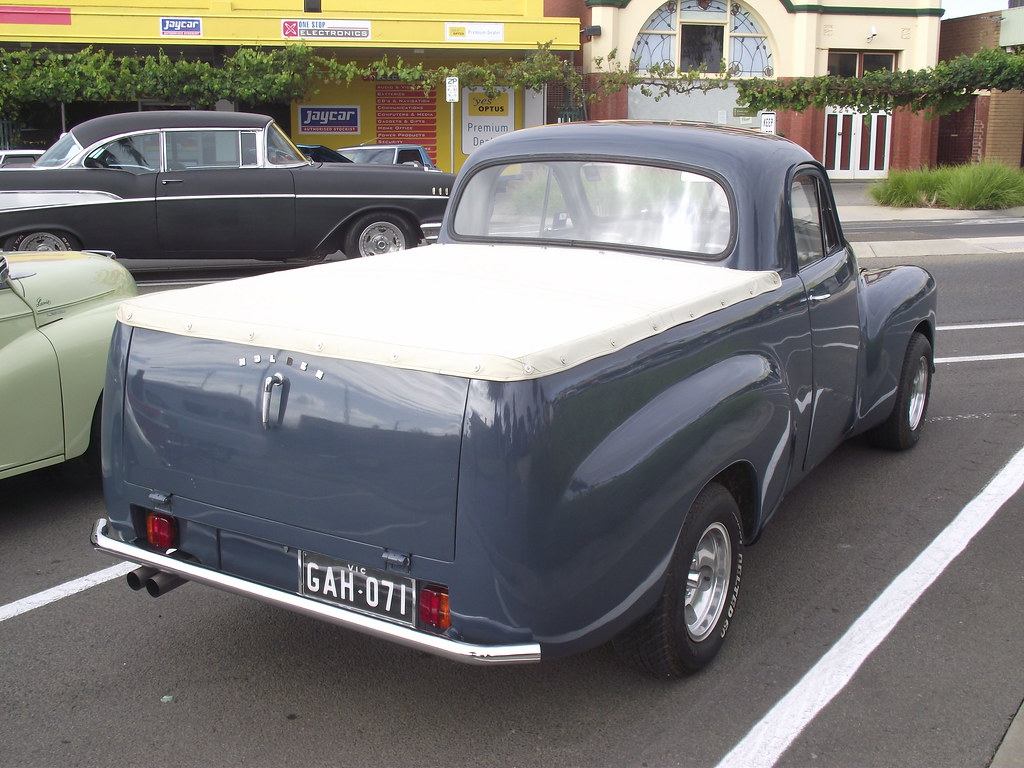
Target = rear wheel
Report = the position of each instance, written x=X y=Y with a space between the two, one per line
x=688 y=624
x=43 y=240
x=902 y=429
x=375 y=233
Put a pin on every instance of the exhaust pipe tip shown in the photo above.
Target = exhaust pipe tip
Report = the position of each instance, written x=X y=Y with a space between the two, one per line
x=137 y=579
x=160 y=583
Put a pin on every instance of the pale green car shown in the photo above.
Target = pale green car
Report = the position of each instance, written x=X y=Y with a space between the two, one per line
x=56 y=317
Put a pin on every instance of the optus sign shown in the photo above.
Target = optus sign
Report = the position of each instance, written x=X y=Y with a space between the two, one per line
x=484 y=117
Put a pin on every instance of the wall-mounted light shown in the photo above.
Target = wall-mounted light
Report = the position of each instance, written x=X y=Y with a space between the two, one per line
x=591 y=31
x=873 y=35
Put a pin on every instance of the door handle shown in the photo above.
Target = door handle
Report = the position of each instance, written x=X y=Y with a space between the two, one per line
x=820 y=296
x=171 y=181
x=269 y=383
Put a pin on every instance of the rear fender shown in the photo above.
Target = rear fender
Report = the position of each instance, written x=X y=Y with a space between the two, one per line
x=577 y=532
x=895 y=303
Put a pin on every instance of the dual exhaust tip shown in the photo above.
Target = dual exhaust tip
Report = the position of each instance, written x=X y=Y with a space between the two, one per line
x=154 y=581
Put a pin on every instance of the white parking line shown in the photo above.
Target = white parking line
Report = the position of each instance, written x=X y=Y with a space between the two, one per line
x=980 y=326
x=762 y=747
x=980 y=358
x=47 y=596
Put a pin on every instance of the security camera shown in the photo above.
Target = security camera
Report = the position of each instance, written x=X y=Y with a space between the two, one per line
x=873 y=35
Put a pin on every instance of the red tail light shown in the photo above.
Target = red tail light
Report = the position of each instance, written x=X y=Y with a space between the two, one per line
x=434 y=607
x=161 y=530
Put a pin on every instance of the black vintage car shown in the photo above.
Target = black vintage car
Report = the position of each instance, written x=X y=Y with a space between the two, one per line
x=194 y=184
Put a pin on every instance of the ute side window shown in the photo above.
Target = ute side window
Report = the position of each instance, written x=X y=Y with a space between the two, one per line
x=807 y=229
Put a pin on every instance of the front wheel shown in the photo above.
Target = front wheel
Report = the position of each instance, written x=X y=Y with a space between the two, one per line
x=902 y=429
x=375 y=233
x=41 y=241
x=691 y=618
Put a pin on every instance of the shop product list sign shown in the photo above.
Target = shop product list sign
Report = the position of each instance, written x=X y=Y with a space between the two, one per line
x=485 y=117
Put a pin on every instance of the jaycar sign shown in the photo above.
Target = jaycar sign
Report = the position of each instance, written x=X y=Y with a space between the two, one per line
x=329 y=119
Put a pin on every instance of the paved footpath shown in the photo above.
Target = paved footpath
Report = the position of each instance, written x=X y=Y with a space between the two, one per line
x=856 y=205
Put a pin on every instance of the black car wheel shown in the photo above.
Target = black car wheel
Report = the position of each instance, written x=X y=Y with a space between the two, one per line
x=41 y=241
x=902 y=429
x=375 y=233
x=688 y=624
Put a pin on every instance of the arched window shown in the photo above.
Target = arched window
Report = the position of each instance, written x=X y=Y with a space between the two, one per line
x=689 y=34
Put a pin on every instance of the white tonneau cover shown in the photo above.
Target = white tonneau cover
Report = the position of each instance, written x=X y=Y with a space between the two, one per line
x=501 y=313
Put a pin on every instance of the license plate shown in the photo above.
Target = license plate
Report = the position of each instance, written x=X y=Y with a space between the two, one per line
x=357 y=587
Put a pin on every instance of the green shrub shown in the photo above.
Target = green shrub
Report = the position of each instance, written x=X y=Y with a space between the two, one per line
x=983 y=186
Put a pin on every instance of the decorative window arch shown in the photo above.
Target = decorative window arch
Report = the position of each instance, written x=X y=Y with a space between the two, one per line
x=688 y=34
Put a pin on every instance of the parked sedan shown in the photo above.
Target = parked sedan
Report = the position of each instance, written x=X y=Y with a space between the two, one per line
x=390 y=154
x=318 y=153
x=10 y=158
x=193 y=184
x=56 y=317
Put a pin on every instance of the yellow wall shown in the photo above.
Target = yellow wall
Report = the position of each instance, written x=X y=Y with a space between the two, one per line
x=392 y=112
x=390 y=24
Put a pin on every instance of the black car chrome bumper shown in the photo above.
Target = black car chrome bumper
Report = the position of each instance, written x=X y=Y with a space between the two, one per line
x=439 y=646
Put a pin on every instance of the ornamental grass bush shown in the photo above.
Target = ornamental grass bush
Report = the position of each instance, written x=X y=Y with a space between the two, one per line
x=982 y=186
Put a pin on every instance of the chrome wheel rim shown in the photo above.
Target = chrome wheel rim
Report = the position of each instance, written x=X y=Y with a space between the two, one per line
x=42 y=241
x=382 y=237
x=918 y=393
x=707 y=583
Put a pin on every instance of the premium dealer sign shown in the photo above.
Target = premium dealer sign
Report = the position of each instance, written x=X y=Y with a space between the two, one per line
x=324 y=29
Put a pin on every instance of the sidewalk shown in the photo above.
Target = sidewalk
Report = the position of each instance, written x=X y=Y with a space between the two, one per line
x=856 y=204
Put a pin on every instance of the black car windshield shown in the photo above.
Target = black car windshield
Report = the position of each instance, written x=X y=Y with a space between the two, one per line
x=600 y=203
x=62 y=150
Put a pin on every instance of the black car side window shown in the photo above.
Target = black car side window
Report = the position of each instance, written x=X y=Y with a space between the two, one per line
x=136 y=154
x=198 y=150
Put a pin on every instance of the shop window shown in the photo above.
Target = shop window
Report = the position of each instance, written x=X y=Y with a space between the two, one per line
x=685 y=35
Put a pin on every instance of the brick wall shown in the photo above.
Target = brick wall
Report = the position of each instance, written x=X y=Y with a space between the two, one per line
x=915 y=141
x=805 y=128
x=967 y=35
x=1005 y=136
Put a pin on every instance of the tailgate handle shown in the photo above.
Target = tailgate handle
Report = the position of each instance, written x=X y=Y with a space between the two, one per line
x=268 y=392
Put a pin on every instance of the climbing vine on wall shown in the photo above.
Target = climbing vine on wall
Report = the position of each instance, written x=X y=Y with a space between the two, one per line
x=293 y=73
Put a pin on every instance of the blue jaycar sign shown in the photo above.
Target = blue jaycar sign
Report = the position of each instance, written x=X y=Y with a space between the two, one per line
x=329 y=119
x=181 y=27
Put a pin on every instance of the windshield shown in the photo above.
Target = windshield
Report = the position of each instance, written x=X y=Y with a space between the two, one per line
x=597 y=203
x=380 y=155
x=63 y=150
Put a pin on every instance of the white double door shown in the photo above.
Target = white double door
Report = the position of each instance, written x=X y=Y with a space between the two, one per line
x=857 y=144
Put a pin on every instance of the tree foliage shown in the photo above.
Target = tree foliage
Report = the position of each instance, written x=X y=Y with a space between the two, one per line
x=295 y=72
x=945 y=88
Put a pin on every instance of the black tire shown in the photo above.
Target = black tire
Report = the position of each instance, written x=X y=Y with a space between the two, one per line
x=687 y=627
x=376 y=233
x=42 y=240
x=902 y=429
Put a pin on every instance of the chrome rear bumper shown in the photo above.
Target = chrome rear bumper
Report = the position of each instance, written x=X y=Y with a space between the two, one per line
x=439 y=646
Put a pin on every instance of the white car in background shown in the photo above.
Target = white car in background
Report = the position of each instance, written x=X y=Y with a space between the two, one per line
x=390 y=154
x=18 y=157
